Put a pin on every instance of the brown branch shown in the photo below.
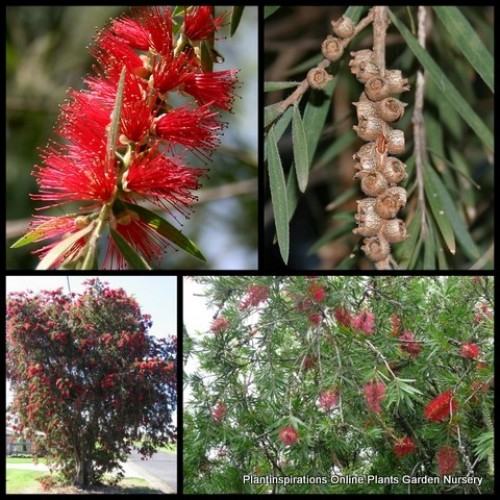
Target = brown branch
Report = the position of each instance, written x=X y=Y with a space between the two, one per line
x=380 y=24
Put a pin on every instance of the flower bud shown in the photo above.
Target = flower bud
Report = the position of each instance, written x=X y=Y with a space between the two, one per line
x=344 y=27
x=318 y=78
x=332 y=48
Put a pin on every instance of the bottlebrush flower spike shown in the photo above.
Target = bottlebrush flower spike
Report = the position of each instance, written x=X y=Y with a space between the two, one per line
x=409 y=344
x=255 y=295
x=374 y=395
x=343 y=317
x=317 y=292
x=441 y=407
x=219 y=411
x=219 y=325
x=364 y=322
x=447 y=460
x=470 y=350
x=404 y=446
x=327 y=400
x=288 y=436
x=124 y=139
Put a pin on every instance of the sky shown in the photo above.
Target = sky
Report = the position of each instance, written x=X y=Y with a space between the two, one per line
x=156 y=295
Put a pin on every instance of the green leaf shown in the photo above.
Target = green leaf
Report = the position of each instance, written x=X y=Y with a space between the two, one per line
x=207 y=61
x=448 y=90
x=269 y=10
x=430 y=247
x=236 y=13
x=273 y=86
x=278 y=195
x=167 y=230
x=271 y=112
x=438 y=209
x=63 y=246
x=437 y=188
x=33 y=235
x=467 y=42
x=115 y=119
x=300 y=154
x=134 y=260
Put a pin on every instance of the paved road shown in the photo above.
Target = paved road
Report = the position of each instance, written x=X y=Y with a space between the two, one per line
x=162 y=466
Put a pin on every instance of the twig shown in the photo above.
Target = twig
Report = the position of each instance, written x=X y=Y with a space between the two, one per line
x=380 y=24
x=418 y=125
x=303 y=85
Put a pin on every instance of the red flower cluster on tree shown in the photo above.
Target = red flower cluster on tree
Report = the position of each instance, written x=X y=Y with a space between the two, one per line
x=317 y=292
x=219 y=325
x=255 y=295
x=364 y=322
x=144 y=62
x=447 y=460
x=34 y=370
x=315 y=318
x=404 y=446
x=395 y=324
x=374 y=395
x=328 y=399
x=343 y=317
x=219 y=411
x=440 y=407
x=288 y=436
x=409 y=344
x=470 y=350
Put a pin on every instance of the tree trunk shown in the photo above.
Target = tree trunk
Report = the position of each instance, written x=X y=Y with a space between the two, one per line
x=82 y=472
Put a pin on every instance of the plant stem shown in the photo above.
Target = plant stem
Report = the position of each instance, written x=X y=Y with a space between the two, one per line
x=96 y=233
x=380 y=24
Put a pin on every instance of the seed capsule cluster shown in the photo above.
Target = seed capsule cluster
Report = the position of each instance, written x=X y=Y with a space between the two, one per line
x=378 y=172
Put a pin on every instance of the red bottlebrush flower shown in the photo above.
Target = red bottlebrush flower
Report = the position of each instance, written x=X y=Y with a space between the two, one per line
x=148 y=60
x=447 y=460
x=470 y=350
x=219 y=411
x=409 y=344
x=309 y=362
x=288 y=436
x=343 y=317
x=364 y=322
x=395 y=324
x=219 y=325
x=255 y=295
x=441 y=407
x=327 y=400
x=317 y=292
x=404 y=446
x=199 y=23
x=374 y=395
x=215 y=88
x=315 y=318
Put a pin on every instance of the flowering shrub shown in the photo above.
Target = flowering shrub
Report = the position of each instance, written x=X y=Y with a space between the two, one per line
x=311 y=400
x=125 y=139
x=86 y=407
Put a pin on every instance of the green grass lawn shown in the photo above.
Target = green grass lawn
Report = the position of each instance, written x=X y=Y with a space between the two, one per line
x=24 y=460
x=23 y=481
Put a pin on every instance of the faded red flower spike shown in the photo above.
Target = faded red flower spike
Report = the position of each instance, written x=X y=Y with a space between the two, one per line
x=447 y=460
x=343 y=317
x=374 y=395
x=219 y=325
x=404 y=446
x=409 y=344
x=327 y=399
x=470 y=350
x=255 y=295
x=317 y=292
x=219 y=411
x=288 y=436
x=151 y=62
x=441 y=407
x=364 y=322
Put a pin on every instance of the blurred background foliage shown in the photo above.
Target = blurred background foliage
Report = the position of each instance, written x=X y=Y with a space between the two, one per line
x=46 y=53
x=322 y=218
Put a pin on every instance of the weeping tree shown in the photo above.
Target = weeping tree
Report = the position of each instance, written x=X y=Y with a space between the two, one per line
x=88 y=379
x=306 y=384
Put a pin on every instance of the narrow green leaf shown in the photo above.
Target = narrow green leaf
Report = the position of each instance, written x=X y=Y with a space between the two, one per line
x=33 y=235
x=271 y=112
x=115 y=119
x=447 y=89
x=273 y=86
x=430 y=247
x=468 y=42
x=461 y=231
x=134 y=260
x=269 y=10
x=278 y=196
x=236 y=13
x=300 y=154
x=63 y=246
x=436 y=204
x=331 y=235
x=167 y=230
x=207 y=61
x=405 y=251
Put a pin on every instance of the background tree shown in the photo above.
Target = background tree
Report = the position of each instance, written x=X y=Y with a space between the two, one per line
x=447 y=55
x=337 y=377
x=88 y=379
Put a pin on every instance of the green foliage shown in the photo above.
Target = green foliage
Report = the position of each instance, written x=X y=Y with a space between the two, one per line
x=268 y=364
